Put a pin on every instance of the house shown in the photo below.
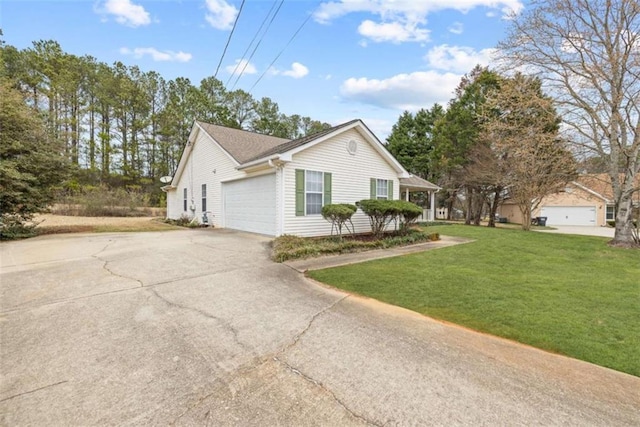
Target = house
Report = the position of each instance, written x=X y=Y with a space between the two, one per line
x=587 y=201
x=262 y=184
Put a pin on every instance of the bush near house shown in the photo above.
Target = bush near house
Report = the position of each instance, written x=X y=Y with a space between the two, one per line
x=290 y=247
x=382 y=212
x=339 y=215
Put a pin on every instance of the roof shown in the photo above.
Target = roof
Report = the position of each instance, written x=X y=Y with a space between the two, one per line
x=242 y=145
x=601 y=184
x=416 y=183
x=290 y=145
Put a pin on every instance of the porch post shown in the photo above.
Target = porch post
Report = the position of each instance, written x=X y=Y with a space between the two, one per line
x=406 y=194
x=432 y=211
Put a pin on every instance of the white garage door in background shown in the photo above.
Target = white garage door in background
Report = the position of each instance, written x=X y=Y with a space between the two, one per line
x=250 y=204
x=569 y=215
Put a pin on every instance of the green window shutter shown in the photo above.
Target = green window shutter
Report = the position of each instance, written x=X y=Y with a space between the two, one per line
x=390 y=189
x=299 y=192
x=373 y=188
x=327 y=188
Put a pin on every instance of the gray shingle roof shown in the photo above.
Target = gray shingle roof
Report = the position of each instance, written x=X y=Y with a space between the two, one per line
x=417 y=183
x=242 y=145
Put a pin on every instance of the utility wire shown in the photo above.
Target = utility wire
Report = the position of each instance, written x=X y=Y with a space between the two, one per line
x=264 y=21
x=283 y=49
x=229 y=39
x=257 y=45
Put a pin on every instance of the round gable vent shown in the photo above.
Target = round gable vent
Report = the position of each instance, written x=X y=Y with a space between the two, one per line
x=352 y=146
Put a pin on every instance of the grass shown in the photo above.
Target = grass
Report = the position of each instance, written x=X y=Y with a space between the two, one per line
x=572 y=295
x=152 y=225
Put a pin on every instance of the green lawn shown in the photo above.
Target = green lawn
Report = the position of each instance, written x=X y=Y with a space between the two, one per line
x=572 y=295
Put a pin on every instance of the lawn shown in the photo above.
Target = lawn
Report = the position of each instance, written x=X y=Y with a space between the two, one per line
x=571 y=295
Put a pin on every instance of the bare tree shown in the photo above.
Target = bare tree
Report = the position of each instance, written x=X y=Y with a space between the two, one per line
x=529 y=158
x=588 y=53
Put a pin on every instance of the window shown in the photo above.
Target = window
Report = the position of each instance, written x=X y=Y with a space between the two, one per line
x=611 y=213
x=313 y=192
x=382 y=189
x=184 y=199
x=204 y=197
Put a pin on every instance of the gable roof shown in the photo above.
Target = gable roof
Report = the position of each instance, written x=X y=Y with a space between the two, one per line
x=295 y=143
x=242 y=145
x=600 y=185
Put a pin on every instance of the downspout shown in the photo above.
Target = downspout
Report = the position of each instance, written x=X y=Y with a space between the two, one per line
x=279 y=167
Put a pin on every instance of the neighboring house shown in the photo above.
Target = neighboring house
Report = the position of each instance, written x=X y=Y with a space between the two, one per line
x=586 y=201
x=273 y=186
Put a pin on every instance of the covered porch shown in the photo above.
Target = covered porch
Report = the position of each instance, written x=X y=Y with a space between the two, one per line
x=415 y=184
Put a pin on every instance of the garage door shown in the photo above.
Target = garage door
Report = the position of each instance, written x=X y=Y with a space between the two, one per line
x=250 y=204
x=569 y=215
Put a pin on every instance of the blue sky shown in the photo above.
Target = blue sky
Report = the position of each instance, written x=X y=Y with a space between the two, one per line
x=368 y=59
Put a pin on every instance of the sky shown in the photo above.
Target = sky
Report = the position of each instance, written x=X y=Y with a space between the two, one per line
x=333 y=61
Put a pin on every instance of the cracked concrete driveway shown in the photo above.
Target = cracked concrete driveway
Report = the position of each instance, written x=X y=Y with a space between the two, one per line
x=198 y=327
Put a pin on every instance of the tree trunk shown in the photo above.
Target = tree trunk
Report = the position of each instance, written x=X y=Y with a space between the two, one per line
x=624 y=225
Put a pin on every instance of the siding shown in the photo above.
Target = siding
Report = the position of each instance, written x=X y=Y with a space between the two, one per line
x=351 y=176
x=206 y=157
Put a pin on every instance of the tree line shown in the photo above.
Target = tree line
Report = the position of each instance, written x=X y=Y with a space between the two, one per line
x=120 y=125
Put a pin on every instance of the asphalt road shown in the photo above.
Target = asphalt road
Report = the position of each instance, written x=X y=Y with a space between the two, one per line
x=198 y=327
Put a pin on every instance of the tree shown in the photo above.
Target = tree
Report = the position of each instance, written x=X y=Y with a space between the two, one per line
x=31 y=164
x=520 y=124
x=588 y=53
x=454 y=136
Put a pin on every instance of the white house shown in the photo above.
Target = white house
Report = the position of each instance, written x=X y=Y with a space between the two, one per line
x=263 y=184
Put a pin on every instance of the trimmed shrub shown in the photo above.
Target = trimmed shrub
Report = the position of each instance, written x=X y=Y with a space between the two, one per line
x=409 y=213
x=382 y=212
x=339 y=215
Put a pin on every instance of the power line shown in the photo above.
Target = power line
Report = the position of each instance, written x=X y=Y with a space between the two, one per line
x=229 y=39
x=251 y=42
x=257 y=45
x=283 y=49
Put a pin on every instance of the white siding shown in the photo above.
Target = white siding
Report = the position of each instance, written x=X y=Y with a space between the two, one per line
x=207 y=164
x=351 y=176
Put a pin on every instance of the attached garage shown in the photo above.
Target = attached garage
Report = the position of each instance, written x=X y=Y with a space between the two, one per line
x=569 y=215
x=250 y=204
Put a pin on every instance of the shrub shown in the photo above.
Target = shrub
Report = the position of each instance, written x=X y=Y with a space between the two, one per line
x=339 y=215
x=14 y=227
x=382 y=212
x=409 y=213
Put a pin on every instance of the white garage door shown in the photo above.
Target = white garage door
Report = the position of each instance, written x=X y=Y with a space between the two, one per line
x=250 y=204
x=569 y=215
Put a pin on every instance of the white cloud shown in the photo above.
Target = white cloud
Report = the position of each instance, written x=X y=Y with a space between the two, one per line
x=239 y=65
x=395 y=32
x=125 y=12
x=221 y=14
x=456 y=28
x=157 y=55
x=411 y=92
x=404 y=20
x=297 y=71
x=458 y=59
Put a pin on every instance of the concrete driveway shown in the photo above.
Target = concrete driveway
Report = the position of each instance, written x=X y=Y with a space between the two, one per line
x=584 y=230
x=198 y=327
